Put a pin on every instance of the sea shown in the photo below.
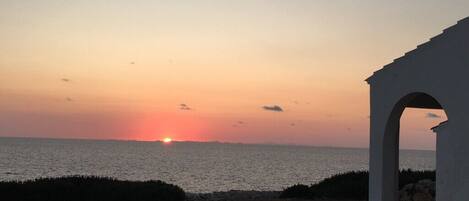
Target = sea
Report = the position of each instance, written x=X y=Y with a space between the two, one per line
x=197 y=167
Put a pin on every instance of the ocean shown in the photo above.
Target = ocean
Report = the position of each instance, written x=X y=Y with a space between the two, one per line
x=194 y=166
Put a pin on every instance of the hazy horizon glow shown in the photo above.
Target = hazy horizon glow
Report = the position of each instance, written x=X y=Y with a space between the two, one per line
x=122 y=70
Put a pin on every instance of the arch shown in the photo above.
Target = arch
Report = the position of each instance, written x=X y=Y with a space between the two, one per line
x=390 y=139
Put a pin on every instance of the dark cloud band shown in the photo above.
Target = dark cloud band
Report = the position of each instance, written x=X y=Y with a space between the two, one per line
x=432 y=115
x=274 y=108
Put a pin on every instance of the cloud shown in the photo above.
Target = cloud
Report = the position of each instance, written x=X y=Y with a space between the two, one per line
x=183 y=106
x=65 y=80
x=432 y=116
x=274 y=108
x=68 y=99
x=237 y=124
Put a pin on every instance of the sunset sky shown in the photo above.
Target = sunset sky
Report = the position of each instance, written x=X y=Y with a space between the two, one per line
x=204 y=70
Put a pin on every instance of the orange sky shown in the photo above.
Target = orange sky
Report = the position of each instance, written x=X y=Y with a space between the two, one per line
x=130 y=65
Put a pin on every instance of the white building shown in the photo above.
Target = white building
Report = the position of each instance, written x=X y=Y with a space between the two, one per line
x=442 y=160
x=435 y=75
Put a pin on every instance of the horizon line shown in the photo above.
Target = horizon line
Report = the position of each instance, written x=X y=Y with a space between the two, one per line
x=195 y=141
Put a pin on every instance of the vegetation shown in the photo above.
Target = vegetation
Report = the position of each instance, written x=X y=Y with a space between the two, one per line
x=346 y=186
x=297 y=191
x=350 y=185
x=89 y=188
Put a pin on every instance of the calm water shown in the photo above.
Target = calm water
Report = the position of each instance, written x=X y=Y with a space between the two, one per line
x=196 y=167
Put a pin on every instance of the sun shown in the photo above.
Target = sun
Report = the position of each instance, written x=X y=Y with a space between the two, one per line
x=167 y=140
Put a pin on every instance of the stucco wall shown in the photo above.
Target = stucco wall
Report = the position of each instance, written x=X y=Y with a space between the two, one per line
x=439 y=69
x=443 y=159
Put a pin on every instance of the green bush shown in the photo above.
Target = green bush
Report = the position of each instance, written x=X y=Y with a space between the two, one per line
x=89 y=188
x=350 y=185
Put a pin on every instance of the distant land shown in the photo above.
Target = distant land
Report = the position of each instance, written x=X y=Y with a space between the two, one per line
x=199 y=142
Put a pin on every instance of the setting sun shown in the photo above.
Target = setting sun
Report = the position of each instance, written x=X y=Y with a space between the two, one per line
x=167 y=140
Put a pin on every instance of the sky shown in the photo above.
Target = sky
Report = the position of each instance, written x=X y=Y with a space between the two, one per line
x=249 y=71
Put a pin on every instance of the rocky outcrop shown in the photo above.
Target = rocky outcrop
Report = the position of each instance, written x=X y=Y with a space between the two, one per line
x=424 y=190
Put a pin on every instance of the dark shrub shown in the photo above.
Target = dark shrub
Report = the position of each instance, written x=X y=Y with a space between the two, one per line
x=350 y=185
x=297 y=191
x=89 y=188
x=409 y=176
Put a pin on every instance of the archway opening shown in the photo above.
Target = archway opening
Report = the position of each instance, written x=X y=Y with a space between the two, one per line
x=409 y=138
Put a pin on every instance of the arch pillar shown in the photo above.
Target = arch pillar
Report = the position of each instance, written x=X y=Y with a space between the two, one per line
x=384 y=152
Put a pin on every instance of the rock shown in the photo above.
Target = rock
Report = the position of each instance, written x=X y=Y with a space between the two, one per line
x=423 y=190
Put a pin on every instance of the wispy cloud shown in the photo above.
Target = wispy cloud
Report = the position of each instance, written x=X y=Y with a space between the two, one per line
x=238 y=124
x=274 y=108
x=183 y=106
x=432 y=116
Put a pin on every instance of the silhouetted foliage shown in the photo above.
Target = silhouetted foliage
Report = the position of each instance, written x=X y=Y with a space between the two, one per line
x=89 y=188
x=350 y=185
x=409 y=176
x=296 y=191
